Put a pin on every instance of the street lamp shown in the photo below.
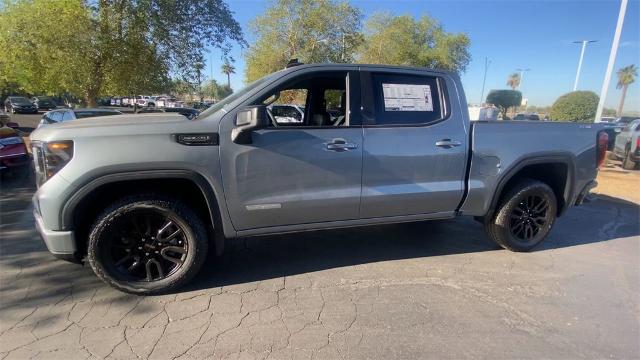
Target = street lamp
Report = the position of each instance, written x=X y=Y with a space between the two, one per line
x=487 y=62
x=584 y=46
x=612 y=60
x=522 y=71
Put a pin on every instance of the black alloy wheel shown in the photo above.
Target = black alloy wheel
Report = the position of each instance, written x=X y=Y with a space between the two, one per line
x=147 y=244
x=524 y=216
x=529 y=217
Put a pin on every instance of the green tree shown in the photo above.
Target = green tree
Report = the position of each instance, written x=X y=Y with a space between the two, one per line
x=513 y=81
x=403 y=40
x=228 y=69
x=577 y=106
x=504 y=99
x=216 y=91
x=91 y=48
x=312 y=31
x=626 y=76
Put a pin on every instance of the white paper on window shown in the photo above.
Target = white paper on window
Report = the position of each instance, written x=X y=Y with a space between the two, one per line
x=407 y=97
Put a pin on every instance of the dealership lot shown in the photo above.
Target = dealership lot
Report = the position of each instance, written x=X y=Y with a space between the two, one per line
x=400 y=291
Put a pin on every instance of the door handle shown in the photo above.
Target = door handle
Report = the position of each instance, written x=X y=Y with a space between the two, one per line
x=448 y=143
x=340 y=145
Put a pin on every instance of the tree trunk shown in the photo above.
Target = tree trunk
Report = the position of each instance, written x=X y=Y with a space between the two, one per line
x=91 y=97
x=229 y=79
x=624 y=95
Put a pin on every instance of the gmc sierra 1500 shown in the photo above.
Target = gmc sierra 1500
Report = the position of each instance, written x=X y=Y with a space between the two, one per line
x=143 y=197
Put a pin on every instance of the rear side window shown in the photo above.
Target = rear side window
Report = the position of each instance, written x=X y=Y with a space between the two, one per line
x=56 y=116
x=407 y=99
x=67 y=116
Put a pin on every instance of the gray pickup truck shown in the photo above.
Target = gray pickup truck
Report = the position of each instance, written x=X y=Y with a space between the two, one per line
x=145 y=198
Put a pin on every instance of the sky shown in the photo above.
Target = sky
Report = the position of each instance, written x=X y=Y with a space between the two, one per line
x=536 y=35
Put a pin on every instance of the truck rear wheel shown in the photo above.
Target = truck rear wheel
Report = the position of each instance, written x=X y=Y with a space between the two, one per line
x=147 y=244
x=524 y=216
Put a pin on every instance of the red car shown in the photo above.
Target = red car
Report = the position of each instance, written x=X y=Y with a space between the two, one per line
x=13 y=151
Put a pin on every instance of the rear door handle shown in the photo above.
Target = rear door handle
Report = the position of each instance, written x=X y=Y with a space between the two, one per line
x=448 y=143
x=340 y=145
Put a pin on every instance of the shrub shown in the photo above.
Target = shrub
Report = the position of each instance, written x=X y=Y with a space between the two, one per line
x=577 y=106
x=504 y=99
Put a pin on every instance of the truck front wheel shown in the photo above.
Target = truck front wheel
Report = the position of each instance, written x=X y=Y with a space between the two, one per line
x=147 y=244
x=524 y=216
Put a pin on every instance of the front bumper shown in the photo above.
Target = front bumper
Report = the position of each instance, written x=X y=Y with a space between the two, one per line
x=61 y=244
x=32 y=110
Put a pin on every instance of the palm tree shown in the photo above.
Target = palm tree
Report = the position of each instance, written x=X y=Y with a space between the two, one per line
x=626 y=76
x=514 y=80
x=228 y=69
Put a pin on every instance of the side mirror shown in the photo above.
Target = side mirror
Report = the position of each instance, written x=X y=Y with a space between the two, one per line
x=249 y=119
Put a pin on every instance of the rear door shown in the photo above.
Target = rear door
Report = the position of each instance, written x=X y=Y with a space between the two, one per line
x=415 y=144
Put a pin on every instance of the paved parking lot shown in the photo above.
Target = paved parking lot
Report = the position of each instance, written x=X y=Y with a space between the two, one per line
x=427 y=290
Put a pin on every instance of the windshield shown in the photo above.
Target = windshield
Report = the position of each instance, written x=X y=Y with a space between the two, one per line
x=20 y=100
x=229 y=99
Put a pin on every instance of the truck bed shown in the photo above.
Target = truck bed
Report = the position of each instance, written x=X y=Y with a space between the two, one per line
x=502 y=148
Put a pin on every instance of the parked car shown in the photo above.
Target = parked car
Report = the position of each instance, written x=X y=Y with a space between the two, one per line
x=146 y=101
x=189 y=113
x=623 y=120
x=19 y=104
x=531 y=117
x=43 y=102
x=290 y=114
x=612 y=129
x=142 y=198
x=4 y=118
x=13 y=152
x=607 y=119
x=62 y=115
x=627 y=145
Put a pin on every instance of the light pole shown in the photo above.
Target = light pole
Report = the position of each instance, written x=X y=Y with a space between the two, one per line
x=584 y=46
x=522 y=71
x=612 y=60
x=484 y=79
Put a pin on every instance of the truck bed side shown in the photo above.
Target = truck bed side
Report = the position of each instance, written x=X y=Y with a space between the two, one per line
x=561 y=154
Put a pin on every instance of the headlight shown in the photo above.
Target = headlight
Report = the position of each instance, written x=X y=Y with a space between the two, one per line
x=50 y=157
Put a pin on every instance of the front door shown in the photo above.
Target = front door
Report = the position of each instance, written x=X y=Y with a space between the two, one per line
x=302 y=169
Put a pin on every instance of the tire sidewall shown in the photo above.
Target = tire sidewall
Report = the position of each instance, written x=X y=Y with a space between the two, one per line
x=502 y=224
x=183 y=217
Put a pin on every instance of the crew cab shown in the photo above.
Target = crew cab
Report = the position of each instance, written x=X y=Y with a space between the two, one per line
x=142 y=198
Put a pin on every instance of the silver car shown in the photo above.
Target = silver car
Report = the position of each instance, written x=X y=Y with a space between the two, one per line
x=627 y=145
x=62 y=115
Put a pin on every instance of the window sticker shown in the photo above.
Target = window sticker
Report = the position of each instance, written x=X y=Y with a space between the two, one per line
x=407 y=97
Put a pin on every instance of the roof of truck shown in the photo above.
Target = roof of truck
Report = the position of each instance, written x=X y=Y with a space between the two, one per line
x=377 y=66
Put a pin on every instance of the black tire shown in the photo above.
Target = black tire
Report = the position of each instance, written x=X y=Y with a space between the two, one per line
x=524 y=216
x=187 y=258
x=627 y=163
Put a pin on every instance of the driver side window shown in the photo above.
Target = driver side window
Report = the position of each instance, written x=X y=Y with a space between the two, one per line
x=312 y=100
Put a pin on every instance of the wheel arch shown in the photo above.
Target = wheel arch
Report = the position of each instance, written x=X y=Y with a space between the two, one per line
x=556 y=170
x=81 y=208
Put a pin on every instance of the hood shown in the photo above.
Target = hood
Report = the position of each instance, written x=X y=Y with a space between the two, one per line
x=114 y=125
